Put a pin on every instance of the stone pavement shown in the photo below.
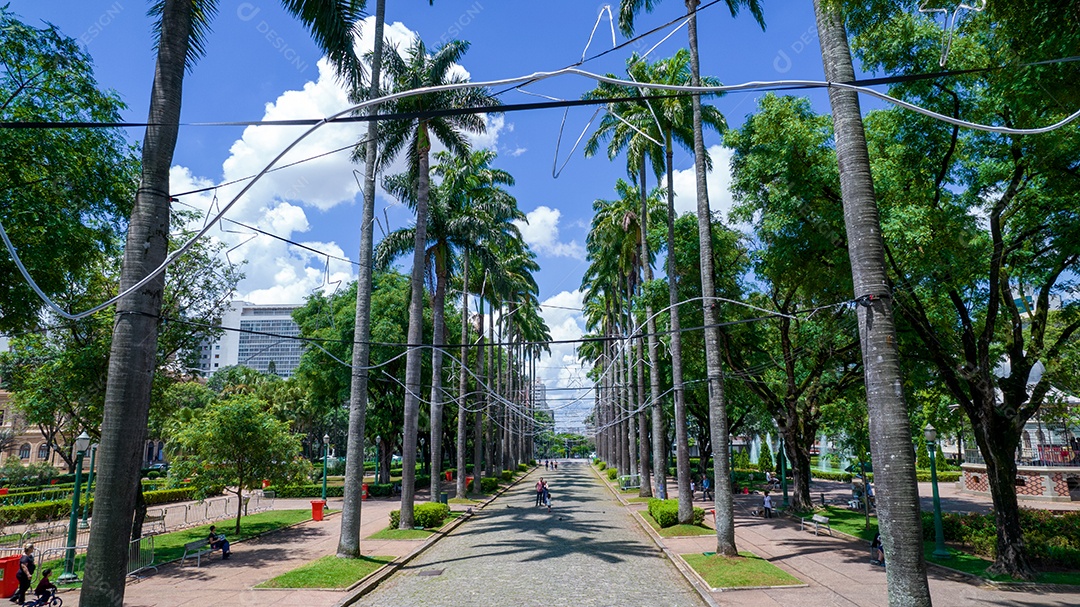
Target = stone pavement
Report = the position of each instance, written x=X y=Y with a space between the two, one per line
x=593 y=549
x=587 y=551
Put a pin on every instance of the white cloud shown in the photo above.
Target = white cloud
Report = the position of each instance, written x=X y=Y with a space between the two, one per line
x=562 y=372
x=718 y=180
x=514 y=153
x=279 y=203
x=541 y=233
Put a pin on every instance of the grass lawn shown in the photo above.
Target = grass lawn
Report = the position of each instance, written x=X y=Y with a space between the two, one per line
x=676 y=530
x=852 y=522
x=328 y=572
x=976 y=565
x=638 y=500
x=463 y=500
x=748 y=570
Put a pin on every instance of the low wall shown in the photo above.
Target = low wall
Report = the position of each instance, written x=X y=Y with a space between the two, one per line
x=1036 y=483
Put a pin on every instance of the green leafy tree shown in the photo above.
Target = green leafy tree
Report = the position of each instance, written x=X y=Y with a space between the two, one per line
x=235 y=443
x=64 y=216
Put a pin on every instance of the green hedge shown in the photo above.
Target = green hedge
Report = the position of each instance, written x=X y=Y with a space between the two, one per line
x=612 y=473
x=429 y=515
x=311 y=490
x=59 y=509
x=923 y=476
x=1051 y=539
x=507 y=475
x=523 y=467
x=601 y=465
x=666 y=512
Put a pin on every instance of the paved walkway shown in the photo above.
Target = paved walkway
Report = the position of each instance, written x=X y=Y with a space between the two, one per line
x=588 y=550
x=592 y=549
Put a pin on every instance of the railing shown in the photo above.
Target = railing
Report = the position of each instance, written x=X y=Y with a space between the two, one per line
x=141 y=555
x=630 y=481
x=1039 y=455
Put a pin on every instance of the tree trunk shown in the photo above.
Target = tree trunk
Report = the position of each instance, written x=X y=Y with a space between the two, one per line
x=415 y=336
x=797 y=451
x=718 y=424
x=657 y=467
x=478 y=417
x=133 y=359
x=140 y=511
x=682 y=449
x=645 y=480
x=890 y=430
x=438 y=318
x=349 y=539
x=463 y=384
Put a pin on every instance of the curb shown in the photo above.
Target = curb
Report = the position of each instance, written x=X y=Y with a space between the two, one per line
x=372 y=581
x=691 y=578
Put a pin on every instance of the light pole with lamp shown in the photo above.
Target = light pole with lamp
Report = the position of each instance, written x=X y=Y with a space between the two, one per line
x=68 y=576
x=325 y=454
x=378 y=444
x=940 y=551
x=89 y=486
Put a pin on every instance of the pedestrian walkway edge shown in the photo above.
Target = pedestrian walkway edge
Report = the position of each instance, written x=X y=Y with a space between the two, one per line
x=691 y=577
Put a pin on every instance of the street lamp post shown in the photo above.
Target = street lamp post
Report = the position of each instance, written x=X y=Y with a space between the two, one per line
x=378 y=444
x=81 y=443
x=89 y=487
x=940 y=551
x=325 y=455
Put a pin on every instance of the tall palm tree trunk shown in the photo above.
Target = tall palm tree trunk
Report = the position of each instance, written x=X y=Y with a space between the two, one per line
x=718 y=422
x=438 y=321
x=647 y=469
x=415 y=335
x=890 y=429
x=463 y=382
x=682 y=449
x=478 y=416
x=349 y=540
x=133 y=357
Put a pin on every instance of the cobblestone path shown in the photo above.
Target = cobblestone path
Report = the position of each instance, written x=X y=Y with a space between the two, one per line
x=587 y=551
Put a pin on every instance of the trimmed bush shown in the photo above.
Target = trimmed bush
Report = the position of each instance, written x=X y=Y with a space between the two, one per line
x=523 y=467
x=311 y=491
x=167 y=496
x=489 y=484
x=431 y=514
x=612 y=473
x=1053 y=540
x=506 y=475
x=601 y=465
x=666 y=512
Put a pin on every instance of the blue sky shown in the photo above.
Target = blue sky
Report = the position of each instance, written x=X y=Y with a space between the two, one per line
x=260 y=63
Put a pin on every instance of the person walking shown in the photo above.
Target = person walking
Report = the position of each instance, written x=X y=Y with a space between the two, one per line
x=706 y=487
x=547 y=496
x=767 y=505
x=540 y=484
x=23 y=575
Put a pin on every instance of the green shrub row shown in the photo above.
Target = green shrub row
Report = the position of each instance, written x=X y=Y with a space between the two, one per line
x=666 y=512
x=1051 y=539
x=59 y=509
x=429 y=515
x=312 y=490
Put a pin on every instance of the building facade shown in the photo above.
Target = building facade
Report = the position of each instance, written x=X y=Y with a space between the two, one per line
x=256 y=336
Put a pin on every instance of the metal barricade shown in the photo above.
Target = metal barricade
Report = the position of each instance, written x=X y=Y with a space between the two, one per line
x=630 y=481
x=141 y=555
x=45 y=536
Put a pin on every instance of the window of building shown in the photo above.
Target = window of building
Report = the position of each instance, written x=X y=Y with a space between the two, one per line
x=43 y=452
x=24 y=451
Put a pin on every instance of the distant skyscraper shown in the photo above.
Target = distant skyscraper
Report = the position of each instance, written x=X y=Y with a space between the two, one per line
x=263 y=342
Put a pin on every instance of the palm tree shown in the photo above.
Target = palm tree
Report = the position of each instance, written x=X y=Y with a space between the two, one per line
x=890 y=429
x=181 y=33
x=718 y=424
x=468 y=211
x=418 y=69
x=349 y=539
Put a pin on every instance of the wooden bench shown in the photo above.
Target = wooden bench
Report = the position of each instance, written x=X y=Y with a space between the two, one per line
x=818 y=521
x=197 y=549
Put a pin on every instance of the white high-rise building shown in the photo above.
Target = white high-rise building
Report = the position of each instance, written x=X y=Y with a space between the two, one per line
x=262 y=342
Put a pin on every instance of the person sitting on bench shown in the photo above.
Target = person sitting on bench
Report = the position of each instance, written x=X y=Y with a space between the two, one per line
x=218 y=541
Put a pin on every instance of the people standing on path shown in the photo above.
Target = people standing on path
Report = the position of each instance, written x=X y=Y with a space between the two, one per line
x=540 y=491
x=706 y=487
x=767 y=505
x=547 y=496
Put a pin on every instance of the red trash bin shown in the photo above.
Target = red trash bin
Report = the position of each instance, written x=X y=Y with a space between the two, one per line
x=316 y=510
x=364 y=492
x=449 y=475
x=9 y=566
